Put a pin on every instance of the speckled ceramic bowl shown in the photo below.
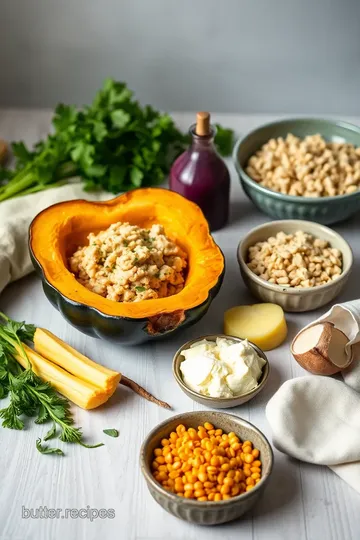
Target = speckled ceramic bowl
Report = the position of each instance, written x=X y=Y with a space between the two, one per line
x=324 y=210
x=206 y=513
x=218 y=403
x=292 y=299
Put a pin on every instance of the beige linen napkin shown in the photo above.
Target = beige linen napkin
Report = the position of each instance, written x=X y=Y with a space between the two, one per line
x=15 y=218
x=317 y=419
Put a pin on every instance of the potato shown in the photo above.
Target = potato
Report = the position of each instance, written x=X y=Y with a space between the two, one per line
x=263 y=324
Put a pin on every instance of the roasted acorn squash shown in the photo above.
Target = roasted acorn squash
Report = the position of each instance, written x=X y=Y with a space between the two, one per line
x=56 y=232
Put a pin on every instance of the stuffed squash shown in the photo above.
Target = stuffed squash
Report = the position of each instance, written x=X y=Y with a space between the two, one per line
x=57 y=232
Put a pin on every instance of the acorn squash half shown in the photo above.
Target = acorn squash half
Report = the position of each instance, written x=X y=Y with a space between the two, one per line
x=56 y=233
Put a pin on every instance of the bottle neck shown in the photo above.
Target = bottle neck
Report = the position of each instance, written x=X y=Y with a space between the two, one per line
x=203 y=142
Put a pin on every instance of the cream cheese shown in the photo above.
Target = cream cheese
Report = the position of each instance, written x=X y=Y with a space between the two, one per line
x=224 y=368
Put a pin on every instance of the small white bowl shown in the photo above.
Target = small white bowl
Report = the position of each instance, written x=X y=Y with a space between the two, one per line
x=217 y=402
x=289 y=298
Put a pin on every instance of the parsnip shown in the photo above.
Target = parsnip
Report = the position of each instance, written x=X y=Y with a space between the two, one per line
x=80 y=392
x=60 y=353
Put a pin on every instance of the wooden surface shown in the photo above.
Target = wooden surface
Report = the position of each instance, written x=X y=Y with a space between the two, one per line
x=302 y=502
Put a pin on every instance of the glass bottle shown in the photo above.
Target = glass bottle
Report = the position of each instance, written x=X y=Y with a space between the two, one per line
x=200 y=175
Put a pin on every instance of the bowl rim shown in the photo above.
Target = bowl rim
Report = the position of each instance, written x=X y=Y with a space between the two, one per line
x=210 y=337
x=292 y=290
x=283 y=196
x=146 y=471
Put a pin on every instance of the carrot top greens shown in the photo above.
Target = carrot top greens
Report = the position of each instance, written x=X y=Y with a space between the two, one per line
x=29 y=395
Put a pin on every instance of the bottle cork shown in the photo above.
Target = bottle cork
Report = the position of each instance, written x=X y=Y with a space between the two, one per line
x=203 y=124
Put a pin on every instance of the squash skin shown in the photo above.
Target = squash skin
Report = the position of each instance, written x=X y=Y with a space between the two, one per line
x=122 y=329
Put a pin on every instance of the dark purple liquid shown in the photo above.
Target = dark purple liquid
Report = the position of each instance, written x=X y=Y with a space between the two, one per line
x=201 y=176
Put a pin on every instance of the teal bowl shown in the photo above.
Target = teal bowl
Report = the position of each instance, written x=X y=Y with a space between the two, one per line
x=325 y=210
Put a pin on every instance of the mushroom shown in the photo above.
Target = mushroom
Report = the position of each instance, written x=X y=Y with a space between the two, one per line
x=320 y=349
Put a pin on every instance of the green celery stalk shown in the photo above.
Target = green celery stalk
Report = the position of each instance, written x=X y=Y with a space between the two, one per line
x=16 y=188
x=25 y=181
x=36 y=189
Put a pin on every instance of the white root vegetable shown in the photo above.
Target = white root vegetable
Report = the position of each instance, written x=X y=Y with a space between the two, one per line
x=320 y=349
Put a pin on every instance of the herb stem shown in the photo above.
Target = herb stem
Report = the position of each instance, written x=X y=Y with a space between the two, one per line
x=35 y=189
x=17 y=344
x=12 y=189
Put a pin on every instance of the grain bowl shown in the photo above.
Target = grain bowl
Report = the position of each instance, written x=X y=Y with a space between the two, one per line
x=210 y=512
x=324 y=209
x=293 y=298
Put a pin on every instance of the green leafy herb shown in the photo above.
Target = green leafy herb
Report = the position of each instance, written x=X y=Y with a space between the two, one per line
x=224 y=140
x=91 y=445
x=111 y=432
x=115 y=144
x=47 y=450
x=43 y=415
x=51 y=433
x=140 y=289
x=29 y=395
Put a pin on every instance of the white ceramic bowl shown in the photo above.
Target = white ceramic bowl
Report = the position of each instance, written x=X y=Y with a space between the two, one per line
x=292 y=299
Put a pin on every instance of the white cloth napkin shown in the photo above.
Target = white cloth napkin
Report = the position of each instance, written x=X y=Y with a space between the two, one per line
x=317 y=419
x=15 y=218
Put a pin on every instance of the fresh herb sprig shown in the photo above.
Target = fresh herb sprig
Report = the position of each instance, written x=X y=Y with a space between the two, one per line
x=29 y=395
x=114 y=144
x=44 y=449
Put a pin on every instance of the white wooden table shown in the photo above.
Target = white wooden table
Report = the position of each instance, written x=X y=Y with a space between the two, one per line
x=302 y=502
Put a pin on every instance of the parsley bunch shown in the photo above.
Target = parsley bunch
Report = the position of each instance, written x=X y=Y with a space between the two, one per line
x=114 y=144
x=29 y=395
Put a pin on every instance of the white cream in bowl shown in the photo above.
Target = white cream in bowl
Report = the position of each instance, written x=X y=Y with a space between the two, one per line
x=221 y=369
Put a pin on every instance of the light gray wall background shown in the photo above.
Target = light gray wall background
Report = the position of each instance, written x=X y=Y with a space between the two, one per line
x=299 y=56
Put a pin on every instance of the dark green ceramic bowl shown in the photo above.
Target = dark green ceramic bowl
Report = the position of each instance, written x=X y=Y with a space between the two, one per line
x=325 y=210
x=122 y=330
